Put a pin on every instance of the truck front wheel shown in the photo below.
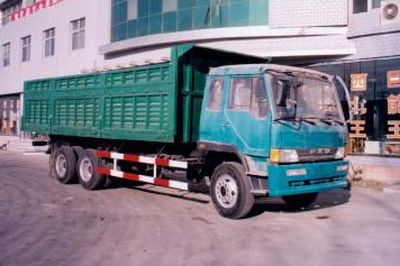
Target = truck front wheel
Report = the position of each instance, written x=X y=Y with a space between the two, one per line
x=301 y=200
x=87 y=171
x=230 y=191
x=65 y=165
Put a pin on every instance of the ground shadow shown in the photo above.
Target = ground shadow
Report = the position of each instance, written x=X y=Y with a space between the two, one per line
x=325 y=200
x=148 y=188
x=276 y=204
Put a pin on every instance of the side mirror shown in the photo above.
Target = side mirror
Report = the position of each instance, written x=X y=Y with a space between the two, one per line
x=349 y=114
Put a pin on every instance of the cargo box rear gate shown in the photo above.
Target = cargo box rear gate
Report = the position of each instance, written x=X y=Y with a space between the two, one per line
x=155 y=161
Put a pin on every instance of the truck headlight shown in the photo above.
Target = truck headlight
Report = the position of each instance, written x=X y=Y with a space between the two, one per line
x=339 y=153
x=284 y=156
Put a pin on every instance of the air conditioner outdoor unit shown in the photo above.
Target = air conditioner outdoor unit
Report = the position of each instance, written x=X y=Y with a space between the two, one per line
x=390 y=11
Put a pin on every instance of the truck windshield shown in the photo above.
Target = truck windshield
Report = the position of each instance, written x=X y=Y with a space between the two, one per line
x=300 y=97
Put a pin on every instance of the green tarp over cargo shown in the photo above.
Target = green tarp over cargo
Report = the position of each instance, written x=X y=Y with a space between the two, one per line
x=156 y=103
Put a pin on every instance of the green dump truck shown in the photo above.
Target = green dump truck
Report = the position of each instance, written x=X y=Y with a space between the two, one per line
x=206 y=120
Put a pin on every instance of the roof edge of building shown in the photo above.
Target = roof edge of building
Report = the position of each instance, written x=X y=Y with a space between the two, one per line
x=253 y=32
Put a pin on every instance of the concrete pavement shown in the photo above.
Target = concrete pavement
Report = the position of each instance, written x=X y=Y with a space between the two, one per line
x=18 y=144
x=43 y=222
x=376 y=172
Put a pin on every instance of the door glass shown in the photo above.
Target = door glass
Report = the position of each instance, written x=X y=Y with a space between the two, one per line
x=240 y=94
x=259 y=103
x=248 y=95
x=215 y=94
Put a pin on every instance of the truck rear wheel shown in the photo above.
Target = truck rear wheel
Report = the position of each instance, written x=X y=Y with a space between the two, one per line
x=65 y=165
x=230 y=191
x=87 y=166
x=301 y=200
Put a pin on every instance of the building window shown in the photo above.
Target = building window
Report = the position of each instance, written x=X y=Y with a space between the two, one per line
x=29 y=2
x=134 y=18
x=6 y=54
x=132 y=9
x=7 y=11
x=376 y=3
x=49 y=42
x=78 y=33
x=360 y=6
x=169 y=5
x=26 y=48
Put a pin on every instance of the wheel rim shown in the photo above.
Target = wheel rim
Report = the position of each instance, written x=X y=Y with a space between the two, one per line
x=86 y=169
x=226 y=191
x=61 y=165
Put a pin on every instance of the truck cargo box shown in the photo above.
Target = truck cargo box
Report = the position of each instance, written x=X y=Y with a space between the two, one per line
x=155 y=103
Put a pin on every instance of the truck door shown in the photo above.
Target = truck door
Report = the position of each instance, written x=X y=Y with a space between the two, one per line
x=247 y=116
x=211 y=119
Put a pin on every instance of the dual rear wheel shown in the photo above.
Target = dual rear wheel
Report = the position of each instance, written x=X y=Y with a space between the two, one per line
x=72 y=165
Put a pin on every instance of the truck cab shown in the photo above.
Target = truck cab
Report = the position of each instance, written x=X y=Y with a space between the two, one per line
x=285 y=125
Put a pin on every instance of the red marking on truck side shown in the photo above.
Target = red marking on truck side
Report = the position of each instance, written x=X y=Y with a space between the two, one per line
x=131 y=157
x=132 y=177
x=161 y=182
x=162 y=162
x=103 y=171
x=103 y=154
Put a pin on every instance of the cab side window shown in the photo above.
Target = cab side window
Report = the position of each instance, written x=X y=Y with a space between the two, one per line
x=259 y=104
x=240 y=94
x=215 y=94
x=248 y=95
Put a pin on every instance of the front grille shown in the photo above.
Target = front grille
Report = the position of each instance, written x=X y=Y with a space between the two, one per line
x=311 y=182
x=318 y=154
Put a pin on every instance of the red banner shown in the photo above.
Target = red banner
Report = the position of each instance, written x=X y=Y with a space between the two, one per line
x=29 y=10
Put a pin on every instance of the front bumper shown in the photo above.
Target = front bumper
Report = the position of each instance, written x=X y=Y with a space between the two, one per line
x=303 y=178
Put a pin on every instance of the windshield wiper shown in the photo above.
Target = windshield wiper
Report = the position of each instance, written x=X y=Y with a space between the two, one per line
x=335 y=120
x=327 y=121
x=296 y=119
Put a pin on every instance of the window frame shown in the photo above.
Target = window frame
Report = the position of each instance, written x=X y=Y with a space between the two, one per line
x=78 y=30
x=6 y=13
x=26 y=48
x=231 y=98
x=360 y=10
x=169 y=6
x=6 y=54
x=268 y=103
x=250 y=108
x=376 y=4
x=132 y=9
x=219 y=107
x=49 y=42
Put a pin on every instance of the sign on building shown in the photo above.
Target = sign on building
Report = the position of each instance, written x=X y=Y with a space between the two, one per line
x=357 y=128
x=358 y=105
x=393 y=104
x=359 y=82
x=394 y=130
x=31 y=9
x=393 y=79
